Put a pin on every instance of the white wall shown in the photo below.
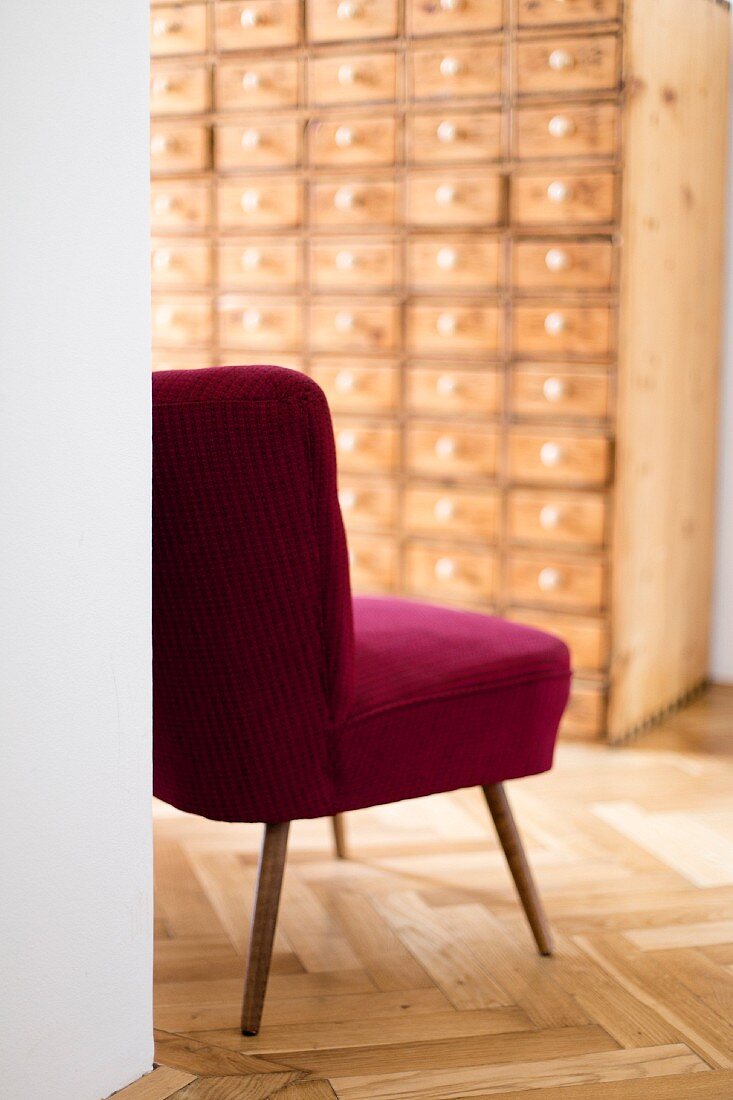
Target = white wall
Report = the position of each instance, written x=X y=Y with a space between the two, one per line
x=75 y=916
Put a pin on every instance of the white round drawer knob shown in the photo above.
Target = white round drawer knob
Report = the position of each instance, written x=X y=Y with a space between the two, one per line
x=557 y=259
x=163 y=204
x=250 y=200
x=553 y=389
x=347 y=499
x=549 y=517
x=445 y=194
x=161 y=259
x=346 y=74
x=344 y=199
x=165 y=315
x=446 y=259
x=451 y=5
x=344 y=321
x=346 y=440
x=159 y=143
x=249 y=18
x=554 y=324
x=344 y=137
x=560 y=126
x=558 y=191
x=446 y=385
x=549 y=579
x=444 y=509
x=445 y=568
x=161 y=85
x=251 y=259
x=251 y=139
x=345 y=261
x=251 y=81
x=345 y=381
x=347 y=9
x=445 y=446
x=446 y=324
x=446 y=132
x=251 y=319
x=560 y=59
x=161 y=27
x=450 y=66
x=550 y=454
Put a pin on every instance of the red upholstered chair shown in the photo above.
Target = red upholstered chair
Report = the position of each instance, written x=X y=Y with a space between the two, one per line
x=278 y=698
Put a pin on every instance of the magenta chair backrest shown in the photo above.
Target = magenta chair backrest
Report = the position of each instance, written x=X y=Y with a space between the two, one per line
x=252 y=627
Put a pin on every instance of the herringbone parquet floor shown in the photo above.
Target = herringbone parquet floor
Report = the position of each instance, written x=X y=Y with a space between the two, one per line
x=408 y=971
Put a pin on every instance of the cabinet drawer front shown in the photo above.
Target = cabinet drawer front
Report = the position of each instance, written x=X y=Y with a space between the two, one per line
x=567 y=130
x=450 y=138
x=585 y=716
x=449 y=327
x=353 y=265
x=455 y=200
x=347 y=20
x=249 y=85
x=561 y=330
x=180 y=263
x=259 y=265
x=545 y=392
x=178 y=29
x=260 y=144
x=585 y=636
x=448 y=391
x=365 y=448
x=367 y=504
x=355 y=203
x=175 y=148
x=538 y=13
x=357 y=78
x=454 y=16
x=568 y=65
x=348 y=142
x=563 y=265
x=543 y=458
x=453 y=262
x=256 y=24
x=448 y=450
x=453 y=71
x=437 y=511
x=173 y=359
x=556 y=582
x=447 y=573
x=179 y=205
x=182 y=319
x=547 y=516
x=563 y=199
x=256 y=323
x=260 y=202
x=352 y=325
x=358 y=385
x=373 y=564
x=179 y=91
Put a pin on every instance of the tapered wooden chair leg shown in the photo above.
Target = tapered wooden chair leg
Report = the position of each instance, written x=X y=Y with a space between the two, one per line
x=264 y=919
x=339 y=835
x=511 y=842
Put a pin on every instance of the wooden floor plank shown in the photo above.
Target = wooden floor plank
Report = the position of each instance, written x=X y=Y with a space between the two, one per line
x=162 y=1082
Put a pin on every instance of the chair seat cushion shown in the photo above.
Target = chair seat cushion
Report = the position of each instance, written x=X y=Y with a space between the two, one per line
x=445 y=699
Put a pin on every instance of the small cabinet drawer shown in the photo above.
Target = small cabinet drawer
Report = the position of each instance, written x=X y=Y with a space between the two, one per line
x=261 y=264
x=466 y=200
x=353 y=203
x=568 y=65
x=453 y=262
x=454 y=71
x=179 y=91
x=358 y=385
x=587 y=199
x=446 y=572
x=174 y=359
x=349 y=20
x=352 y=265
x=555 y=581
x=356 y=325
x=357 y=78
x=183 y=319
x=552 y=459
x=260 y=323
x=180 y=263
x=545 y=391
x=179 y=206
x=176 y=148
x=433 y=390
x=250 y=85
x=454 y=16
x=447 y=451
x=448 y=327
x=585 y=636
x=561 y=330
x=347 y=142
x=437 y=512
x=540 y=13
x=547 y=516
x=367 y=504
x=260 y=202
x=567 y=130
x=256 y=24
x=365 y=448
x=373 y=564
x=178 y=29
x=562 y=265
x=259 y=144
x=451 y=138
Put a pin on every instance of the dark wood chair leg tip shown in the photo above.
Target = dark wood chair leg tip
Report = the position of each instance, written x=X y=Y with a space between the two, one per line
x=246 y=1031
x=339 y=836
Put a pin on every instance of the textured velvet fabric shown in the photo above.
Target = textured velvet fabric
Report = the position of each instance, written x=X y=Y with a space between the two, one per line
x=269 y=705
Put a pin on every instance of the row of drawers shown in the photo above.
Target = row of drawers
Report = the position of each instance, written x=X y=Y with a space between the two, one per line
x=446 y=261
x=429 y=326
x=558 y=66
x=263 y=24
x=589 y=130
x=449 y=199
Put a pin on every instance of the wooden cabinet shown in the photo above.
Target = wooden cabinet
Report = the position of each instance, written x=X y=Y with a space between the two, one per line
x=491 y=231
